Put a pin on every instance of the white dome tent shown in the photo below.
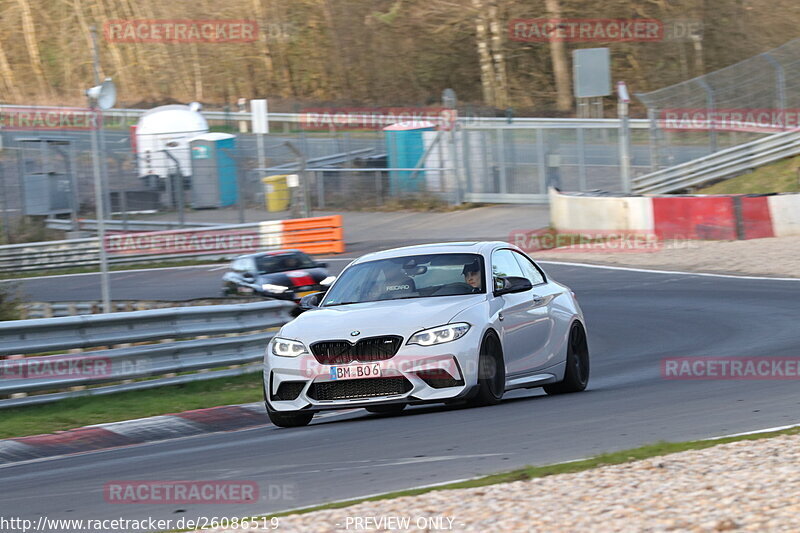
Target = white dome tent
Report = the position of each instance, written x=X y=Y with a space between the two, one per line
x=168 y=127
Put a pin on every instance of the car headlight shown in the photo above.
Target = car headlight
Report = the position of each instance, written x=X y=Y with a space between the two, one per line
x=274 y=288
x=328 y=280
x=439 y=334
x=287 y=347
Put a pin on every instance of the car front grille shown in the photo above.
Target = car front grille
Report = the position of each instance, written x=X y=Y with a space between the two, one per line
x=358 y=388
x=367 y=350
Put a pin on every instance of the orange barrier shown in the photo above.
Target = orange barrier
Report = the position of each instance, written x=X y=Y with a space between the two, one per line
x=317 y=235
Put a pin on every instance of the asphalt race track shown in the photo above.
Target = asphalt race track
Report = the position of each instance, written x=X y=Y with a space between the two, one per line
x=634 y=320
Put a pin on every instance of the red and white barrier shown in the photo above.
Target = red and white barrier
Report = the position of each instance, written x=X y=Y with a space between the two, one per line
x=726 y=217
x=784 y=210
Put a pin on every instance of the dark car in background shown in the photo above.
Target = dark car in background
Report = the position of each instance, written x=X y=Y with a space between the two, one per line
x=280 y=274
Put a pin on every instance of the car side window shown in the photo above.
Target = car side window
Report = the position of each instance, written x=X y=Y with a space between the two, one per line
x=239 y=265
x=529 y=269
x=504 y=265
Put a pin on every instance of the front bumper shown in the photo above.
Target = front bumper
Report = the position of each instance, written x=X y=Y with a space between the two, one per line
x=415 y=374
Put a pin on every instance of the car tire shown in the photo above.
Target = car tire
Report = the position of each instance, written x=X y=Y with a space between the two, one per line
x=491 y=372
x=388 y=409
x=576 y=374
x=287 y=419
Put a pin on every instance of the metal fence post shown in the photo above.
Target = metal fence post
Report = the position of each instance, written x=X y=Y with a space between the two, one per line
x=652 y=116
x=540 y=161
x=710 y=106
x=457 y=181
x=378 y=188
x=501 y=148
x=4 y=190
x=624 y=147
x=780 y=81
x=319 y=177
x=581 y=160
x=487 y=173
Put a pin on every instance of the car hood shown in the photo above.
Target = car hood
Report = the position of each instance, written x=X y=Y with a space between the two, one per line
x=385 y=317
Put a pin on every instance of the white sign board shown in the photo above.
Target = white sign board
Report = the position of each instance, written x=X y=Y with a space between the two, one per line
x=591 y=72
x=292 y=180
x=260 y=116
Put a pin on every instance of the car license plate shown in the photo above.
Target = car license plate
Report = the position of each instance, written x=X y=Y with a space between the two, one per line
x=304 y=293
x=356 y=371
x=245 y=290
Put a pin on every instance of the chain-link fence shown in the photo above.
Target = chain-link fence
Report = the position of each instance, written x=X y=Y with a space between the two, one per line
x=730 y=106
x=217 y=180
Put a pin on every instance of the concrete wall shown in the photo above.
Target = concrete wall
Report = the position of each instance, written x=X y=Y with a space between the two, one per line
x=569 y=213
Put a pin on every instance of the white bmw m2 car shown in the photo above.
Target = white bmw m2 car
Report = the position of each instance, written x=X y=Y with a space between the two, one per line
x=450 y=322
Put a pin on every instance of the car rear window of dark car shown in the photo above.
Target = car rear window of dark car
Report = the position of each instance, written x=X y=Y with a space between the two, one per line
x=279 y=263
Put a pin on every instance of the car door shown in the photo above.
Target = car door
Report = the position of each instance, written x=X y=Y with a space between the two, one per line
x=520 y=318
x=539 y=339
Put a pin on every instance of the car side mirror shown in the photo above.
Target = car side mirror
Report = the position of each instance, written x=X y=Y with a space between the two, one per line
x=310 y=301
x=248 y=276
x=511 y=284
x=322 y=265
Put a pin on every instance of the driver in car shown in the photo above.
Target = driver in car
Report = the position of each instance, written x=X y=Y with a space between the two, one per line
x=472 y=275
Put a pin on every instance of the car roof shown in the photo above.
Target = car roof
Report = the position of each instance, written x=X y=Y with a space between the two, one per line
x=470 y=247
x=268 y=253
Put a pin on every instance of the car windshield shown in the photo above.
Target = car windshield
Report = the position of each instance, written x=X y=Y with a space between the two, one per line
x=416 y=276
x=280 y=263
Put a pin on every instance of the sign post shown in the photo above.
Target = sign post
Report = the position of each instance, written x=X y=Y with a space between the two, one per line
x=260 y=120
x=624 y=136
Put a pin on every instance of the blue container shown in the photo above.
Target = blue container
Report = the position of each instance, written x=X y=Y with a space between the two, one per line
x=405 y=148
x=214 y=171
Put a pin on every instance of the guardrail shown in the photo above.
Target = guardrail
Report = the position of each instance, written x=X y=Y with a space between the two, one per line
x=93 y=307
x=111 y=370
x=299 y=118
x=317 y=235
x=87 y=224
x=719 y=165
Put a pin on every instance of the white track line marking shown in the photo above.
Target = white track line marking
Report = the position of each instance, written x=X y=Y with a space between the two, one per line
x=754 y=432
x=651 y=271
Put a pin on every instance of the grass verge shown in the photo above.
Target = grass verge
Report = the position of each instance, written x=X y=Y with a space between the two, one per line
x=782 y=176
x=77 y=412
